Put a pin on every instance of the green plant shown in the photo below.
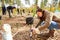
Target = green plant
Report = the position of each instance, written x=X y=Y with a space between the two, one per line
x=0 y=22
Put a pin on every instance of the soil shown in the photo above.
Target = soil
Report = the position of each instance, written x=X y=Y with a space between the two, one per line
x=18 y=24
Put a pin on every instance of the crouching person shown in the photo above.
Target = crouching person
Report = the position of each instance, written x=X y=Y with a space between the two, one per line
x=50 y=21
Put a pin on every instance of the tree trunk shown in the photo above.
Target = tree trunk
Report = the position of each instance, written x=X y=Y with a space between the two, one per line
x=2 y=2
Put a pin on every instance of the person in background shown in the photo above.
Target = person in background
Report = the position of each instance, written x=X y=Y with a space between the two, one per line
x=10 y=10
x=3 y=10
x=51 y=21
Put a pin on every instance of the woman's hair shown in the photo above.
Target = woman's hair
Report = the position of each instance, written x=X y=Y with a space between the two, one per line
x=39 y=10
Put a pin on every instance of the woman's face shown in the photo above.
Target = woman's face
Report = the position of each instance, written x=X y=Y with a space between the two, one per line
x=39 y=14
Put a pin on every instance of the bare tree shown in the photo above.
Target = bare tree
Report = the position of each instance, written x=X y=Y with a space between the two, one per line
x=27 y=2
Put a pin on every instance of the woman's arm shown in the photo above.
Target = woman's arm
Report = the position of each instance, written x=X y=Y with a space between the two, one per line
x=56 y=19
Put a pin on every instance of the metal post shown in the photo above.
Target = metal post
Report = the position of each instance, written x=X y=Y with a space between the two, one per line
x=7 y=35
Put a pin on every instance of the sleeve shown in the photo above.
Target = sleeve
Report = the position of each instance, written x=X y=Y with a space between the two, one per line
x=56 y=18
x=48 y=20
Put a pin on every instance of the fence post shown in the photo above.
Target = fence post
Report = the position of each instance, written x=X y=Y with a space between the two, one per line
x=7 y=35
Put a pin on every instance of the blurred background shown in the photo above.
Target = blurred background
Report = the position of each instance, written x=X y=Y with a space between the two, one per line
x=30 y=5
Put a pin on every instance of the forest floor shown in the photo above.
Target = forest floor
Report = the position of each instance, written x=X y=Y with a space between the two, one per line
x=22 y=31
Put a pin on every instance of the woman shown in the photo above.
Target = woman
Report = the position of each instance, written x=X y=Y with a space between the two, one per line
x=50 y=21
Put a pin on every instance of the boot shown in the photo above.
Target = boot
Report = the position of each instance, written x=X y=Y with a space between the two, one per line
x=51 y=33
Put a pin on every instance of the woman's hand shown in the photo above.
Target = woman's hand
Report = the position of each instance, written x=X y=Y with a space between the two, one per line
x=35 y=31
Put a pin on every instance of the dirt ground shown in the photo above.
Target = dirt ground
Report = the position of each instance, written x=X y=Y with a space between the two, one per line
x=18 y=24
